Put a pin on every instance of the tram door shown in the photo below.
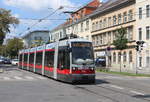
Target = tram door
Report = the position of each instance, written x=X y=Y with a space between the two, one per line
x=55 y=60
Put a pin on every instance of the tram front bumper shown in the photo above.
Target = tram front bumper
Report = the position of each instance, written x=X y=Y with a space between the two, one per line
x=83 y=78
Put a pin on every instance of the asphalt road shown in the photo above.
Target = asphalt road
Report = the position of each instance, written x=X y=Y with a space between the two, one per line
x=21 y=86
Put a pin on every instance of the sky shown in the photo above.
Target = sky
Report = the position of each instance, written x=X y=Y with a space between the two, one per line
x=30 y=11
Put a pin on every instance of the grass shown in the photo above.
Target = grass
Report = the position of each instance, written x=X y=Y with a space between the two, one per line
x=123 y=73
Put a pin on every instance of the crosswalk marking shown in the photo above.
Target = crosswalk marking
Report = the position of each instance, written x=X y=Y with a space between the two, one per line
x=6 y=78
x=29 y=77
x=18 y=78
x=21 y=78
x=138 y=93
x=40 y=77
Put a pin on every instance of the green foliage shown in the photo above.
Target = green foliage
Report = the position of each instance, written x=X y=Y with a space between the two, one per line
x=121 y=41
x=6 y=20
x=13 y=46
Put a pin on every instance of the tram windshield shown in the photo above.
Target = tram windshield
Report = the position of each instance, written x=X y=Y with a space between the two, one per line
x=82 y=53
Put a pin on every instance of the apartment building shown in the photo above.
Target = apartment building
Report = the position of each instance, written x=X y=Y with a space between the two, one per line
x=35 y=37
x=143 y=34
x=109 y=17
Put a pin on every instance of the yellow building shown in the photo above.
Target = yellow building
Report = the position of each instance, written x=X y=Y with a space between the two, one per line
x=109 y=17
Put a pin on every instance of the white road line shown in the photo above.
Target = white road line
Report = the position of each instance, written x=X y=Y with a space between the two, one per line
x=6 y=78
x=117 y=87
x=18 y=78
x=138 y=93
x=40 y=77
x=29 y=77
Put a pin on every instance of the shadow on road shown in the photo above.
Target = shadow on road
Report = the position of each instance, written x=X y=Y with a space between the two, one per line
x=99 y=81
x=142 y=96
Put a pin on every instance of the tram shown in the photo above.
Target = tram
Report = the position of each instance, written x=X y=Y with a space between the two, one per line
x=70 y=59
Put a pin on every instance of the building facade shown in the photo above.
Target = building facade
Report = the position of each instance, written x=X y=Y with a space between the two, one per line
x=78 y=23
x=35 y=38
x=143 y=34
x=106 y=20
x=58 y=32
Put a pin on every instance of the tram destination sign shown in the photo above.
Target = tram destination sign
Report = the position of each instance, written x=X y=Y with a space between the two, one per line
x=81 y=44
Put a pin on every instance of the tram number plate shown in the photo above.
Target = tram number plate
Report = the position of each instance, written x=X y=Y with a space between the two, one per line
x=84 y=77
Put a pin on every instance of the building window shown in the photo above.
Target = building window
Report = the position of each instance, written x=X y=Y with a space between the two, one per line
x=100 y=24
x=114 y=20
x=104 y=23
x=124 y=57
x=119 y=57
x=125 y=17
x=114 y=57
x=119 y=18
x=93 y=25
x=140 y=13
x=87 y=25
x=130 y=15
x=140 y=61
x=109 y=37
x=130 y=56
x=130 y=33
x=140 y=33
x=148 y=11
x=81 y=27
x=109 y=21
x=96 y=26
x=147 y=32
x=101 y=40
x=147 y=61
x=104 y=37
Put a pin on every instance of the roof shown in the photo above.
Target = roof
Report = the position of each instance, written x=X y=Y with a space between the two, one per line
x=88 y=5
x=34 y=32
x=111 y=5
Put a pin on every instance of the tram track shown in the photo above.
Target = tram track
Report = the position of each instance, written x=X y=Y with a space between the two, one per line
x=109 y=89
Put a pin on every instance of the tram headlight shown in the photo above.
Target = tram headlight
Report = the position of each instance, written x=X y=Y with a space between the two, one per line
x=92 y=68
x=74 y=68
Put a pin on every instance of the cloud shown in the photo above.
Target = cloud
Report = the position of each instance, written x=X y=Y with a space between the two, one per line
x=37 y=5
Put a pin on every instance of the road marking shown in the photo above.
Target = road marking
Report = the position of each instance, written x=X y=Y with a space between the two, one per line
x=18 y=78
x=117 y=87
x=29 y=77
x=40 y=77
x=135 y=92
x=6 y=78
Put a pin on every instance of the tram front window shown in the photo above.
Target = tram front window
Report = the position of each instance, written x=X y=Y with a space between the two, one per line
x=82 y=53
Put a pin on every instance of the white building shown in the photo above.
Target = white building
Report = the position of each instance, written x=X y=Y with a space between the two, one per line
x=143 y=33
x=82 y=28
x=31 y=38
x=58 y=32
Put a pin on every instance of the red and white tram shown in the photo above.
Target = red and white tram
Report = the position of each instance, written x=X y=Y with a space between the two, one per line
x=69 y=60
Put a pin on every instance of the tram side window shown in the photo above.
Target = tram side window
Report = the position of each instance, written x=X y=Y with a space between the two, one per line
x=20 y=58
x=49 y=58
x=25 y=58
x=39 y=58
x=63 y=59
x=31 y=58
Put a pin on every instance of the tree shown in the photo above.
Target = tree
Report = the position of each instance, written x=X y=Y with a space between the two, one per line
x=6 y=20
x=13 y=46
x=121 y=41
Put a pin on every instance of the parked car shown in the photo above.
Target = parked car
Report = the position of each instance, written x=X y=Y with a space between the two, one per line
x=100 y=62
x=15 y=62
x=1 y=60
x=7 y=61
